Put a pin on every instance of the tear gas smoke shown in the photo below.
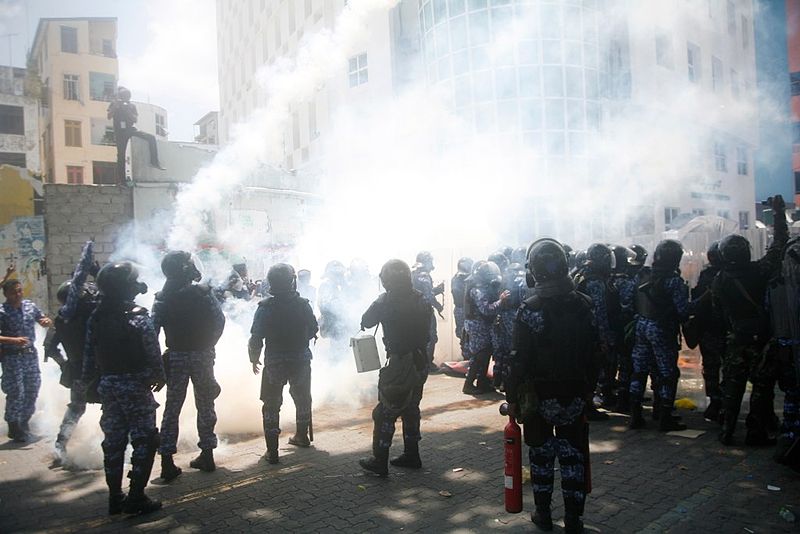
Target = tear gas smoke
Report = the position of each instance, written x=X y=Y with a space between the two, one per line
x=411 y=171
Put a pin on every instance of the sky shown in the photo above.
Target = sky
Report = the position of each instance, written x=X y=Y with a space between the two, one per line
x=167 y=49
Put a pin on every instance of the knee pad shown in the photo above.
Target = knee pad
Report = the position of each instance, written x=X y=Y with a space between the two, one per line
x=151 y=440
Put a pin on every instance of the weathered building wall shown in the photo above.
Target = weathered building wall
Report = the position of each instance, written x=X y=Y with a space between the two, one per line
x=75 y=214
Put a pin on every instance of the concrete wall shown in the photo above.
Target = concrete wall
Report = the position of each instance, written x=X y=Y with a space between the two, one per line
x=75 y=214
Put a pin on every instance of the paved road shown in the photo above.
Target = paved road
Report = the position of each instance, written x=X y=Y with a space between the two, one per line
x=644 y=481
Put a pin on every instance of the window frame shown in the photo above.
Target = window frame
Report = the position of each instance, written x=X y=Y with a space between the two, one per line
x=70 y=135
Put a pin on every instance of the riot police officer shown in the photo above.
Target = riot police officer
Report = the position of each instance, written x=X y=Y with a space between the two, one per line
x=625 y=287
x=712 y=334
x=739 y=292
x=423 y=282
x=405 y=316
x=123 y=357
x=594 y=280
x=482 y=305
x=284 y=324
x=553 y=369
x=78 y=300
x=193 y=322
x=502 y=334
x=332 y=308
x=662 y=303
x=458 y=287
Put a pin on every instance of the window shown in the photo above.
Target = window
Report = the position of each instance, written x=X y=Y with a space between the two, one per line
x=741 y=160
x=104 y=172
x=13 y=158
x=102 y=86
x=69 y=39
x=161 y=125
x=74 y=174
x=734 y=84
x=664 y=50
x=744 y=220
x=72 y=133
x=795 y=80
x=108 y=48
x=720 y=161
x=670 y=214
x=12 y=120
x=102 y=132
x=745 y=34
x=357 y=70
x=731 y=18
x=725 y=214
x=716 y=74
x=693 y=59
x=71 y=82
x=698 y=212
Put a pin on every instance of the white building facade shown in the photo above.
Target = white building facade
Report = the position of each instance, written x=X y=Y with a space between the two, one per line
x=554 y=79
x=19 y=126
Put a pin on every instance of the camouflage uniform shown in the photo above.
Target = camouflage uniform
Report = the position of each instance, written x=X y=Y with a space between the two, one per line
x=195 y=365
x=423 y=282
x=21 y=376
x=129 y=408
x=480 y=330
x=657 y=344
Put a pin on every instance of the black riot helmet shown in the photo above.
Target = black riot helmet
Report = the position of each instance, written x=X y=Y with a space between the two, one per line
x=396 y=276
x=600 y=259
x=282 y=279
x=519 y=255
x=735 y=250
x=713 y=254
x=668 y=255
x=546 y=261
x=641 y=255
x=580 y=259
x=335 y=271
x=622 y=258
x=465 y=265
x=119 y=281
x=499 y=259
x=178 y=265
x=507 y=252
x=488 y=274
x=424 y=261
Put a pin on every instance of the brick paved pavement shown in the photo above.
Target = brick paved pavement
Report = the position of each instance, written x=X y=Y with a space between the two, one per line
x=644 y=481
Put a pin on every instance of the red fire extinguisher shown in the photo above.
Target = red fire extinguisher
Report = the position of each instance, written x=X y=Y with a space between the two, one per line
x=512 y=436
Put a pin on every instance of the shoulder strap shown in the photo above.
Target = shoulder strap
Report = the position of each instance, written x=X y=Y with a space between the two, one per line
x=746 y=295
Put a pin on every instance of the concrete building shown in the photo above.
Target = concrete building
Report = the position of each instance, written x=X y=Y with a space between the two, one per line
x=793 y=47
x=547 y=77
x=76 y=62
x=19 y=119
x=207 y=129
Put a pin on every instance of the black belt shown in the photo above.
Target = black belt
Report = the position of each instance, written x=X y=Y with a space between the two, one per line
x=7 y=352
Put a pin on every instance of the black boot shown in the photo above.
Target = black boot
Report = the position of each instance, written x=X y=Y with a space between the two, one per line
x=169 y=471
x=637 y=419
x=623 y=402
x=469 y=382
x=377 y=463
x=656 y=406
x=728 y=427
x=116 y=498
x=60 y=451
x=205 y=461
x=542 y=517
x=137 y=502
x=300 y=438
x=17 y=433
x=272 y=448
x=667 y=423
x=609 y=398
x=712 y=412
x=572 y=522
x=410 y=457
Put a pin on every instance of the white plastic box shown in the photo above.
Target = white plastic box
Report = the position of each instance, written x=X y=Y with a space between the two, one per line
x=365 y=350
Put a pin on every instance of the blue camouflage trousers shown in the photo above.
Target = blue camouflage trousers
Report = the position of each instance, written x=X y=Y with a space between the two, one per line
x=180 y=368
x=20 y=382
x=129 y=410
x=431 y=347
x=558 y=431
x=656 y=348
x=384 y=418
x=297 y=373
x=502 y=335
